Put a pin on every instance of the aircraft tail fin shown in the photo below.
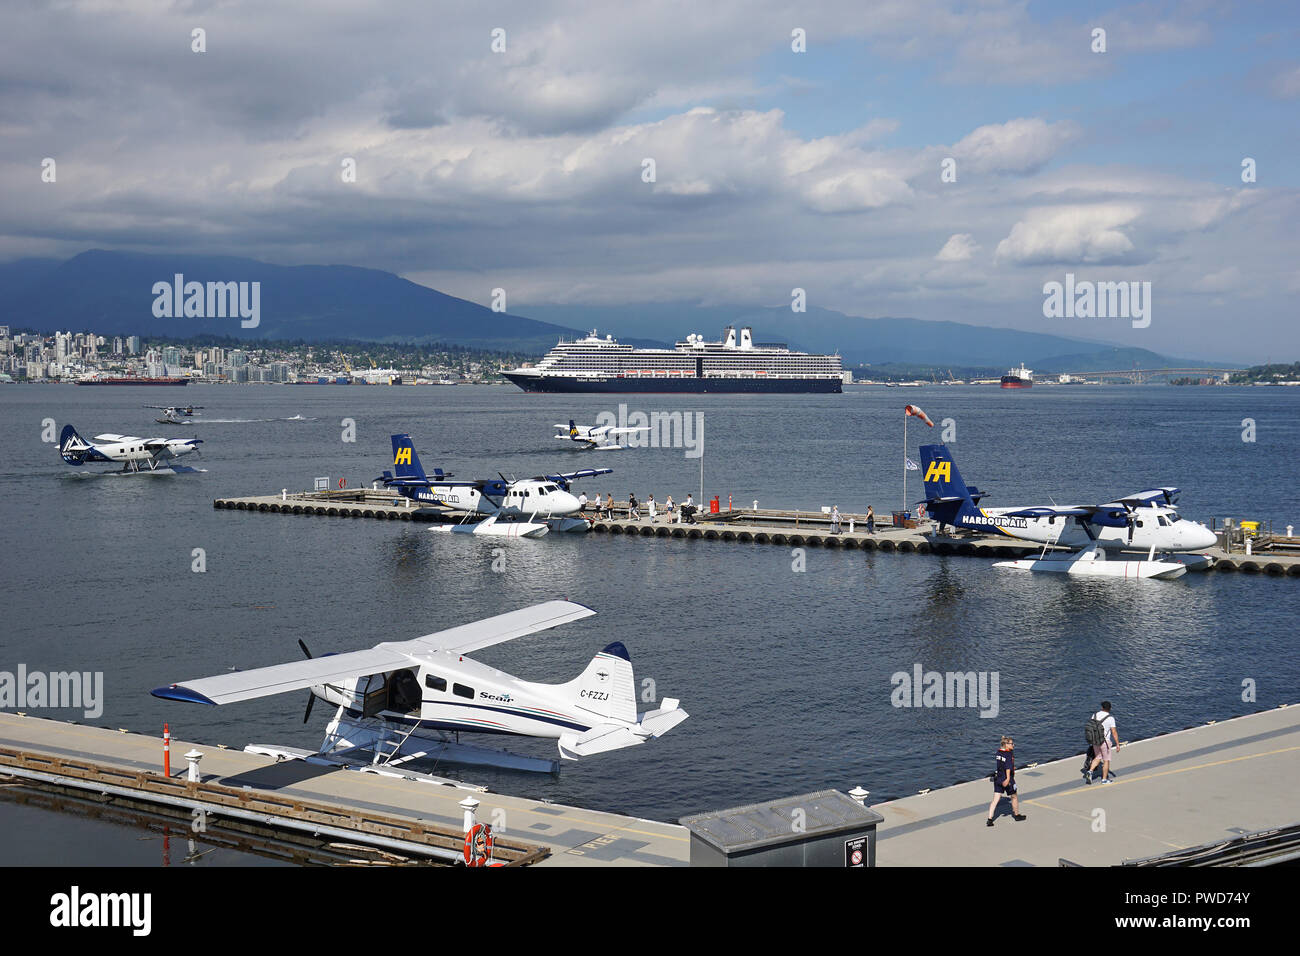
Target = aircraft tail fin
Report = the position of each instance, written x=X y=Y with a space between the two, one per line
x=406 y=463
x=573 y=429
x=72 y=446
x=607 y=691
x=947 y=496
x=606 y=688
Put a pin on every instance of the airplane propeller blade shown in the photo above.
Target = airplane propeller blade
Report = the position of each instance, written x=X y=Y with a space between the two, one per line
x=311 y=698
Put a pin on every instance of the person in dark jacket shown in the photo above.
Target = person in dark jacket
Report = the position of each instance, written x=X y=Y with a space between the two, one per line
x=1004 y=780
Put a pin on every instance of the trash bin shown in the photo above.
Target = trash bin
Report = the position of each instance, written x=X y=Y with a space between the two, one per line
x=901 y=518
x=714 y=506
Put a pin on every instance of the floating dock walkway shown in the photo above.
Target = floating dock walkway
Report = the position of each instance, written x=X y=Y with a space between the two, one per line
x=1182 y=796
x=404 y=819
x=762 y=526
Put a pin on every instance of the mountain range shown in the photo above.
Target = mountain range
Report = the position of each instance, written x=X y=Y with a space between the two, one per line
x=111 y=293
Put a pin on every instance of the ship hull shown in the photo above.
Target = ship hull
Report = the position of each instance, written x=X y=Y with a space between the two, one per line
x=153 y=382
x=675 y=386
x=1008 y=382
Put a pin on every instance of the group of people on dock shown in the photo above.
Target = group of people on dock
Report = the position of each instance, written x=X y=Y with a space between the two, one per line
x=605 y=506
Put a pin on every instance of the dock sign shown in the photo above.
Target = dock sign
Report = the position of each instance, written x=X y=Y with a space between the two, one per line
x=855 y=852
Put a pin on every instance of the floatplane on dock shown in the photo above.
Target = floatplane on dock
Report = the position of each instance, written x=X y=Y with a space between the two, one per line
x=1146 y=521
x=518 y=505
x=409 y=700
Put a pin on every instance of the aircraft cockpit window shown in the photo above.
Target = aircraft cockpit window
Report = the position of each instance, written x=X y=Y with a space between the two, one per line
x=1173 y=518
x=435 y=683
x=460 y=690
x=1163 y=522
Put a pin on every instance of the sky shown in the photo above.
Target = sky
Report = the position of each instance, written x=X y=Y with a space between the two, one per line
x=504 y=145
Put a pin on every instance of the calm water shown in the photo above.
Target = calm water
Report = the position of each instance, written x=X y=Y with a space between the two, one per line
x=786 y=675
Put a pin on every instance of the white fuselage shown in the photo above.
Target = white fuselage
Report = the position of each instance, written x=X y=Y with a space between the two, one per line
x=459 y=694
x=529 y=496
x=1158 y=527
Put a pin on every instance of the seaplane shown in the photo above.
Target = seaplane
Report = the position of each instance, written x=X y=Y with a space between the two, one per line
x=595 y=437
x=135 y=454
x=544 y=499
x=174 y=414
x=1146 y=521
x=409 y=700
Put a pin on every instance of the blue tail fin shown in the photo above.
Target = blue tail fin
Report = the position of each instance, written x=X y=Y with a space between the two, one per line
x=573 y=429
x=72 y=446
x=406 y=463
x=947 y=496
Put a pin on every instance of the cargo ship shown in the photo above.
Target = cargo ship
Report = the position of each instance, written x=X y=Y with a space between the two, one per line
x=1018 y=378
x=135 y=380
x=735 y=364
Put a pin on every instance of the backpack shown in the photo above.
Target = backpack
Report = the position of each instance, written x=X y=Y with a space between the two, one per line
x=1094 y=731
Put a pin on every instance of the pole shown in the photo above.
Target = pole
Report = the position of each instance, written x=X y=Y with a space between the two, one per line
x=904 y=461
x=167 y=751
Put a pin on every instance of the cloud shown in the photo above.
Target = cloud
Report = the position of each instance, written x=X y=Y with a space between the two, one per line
x=1016 y=146
x=1070 y=235
x=959 y=248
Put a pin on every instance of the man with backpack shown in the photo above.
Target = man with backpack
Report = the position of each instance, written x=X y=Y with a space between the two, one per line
x=1099 y=731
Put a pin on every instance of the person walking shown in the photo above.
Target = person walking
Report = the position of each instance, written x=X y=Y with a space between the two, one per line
x=1102 y=725
x=582 y=502
x=1004 y=781
x=633 y=508
x=650 y=507
x=835 y=519
x=668 y=510
x=871 y=520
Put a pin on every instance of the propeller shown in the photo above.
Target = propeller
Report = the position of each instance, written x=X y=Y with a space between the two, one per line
x=311 y=698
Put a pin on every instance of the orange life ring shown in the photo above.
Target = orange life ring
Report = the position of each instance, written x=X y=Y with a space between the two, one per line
x=478 y=845
x=343 y=482
x=920 y=511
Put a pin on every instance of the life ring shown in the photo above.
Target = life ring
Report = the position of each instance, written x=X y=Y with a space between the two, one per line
x=343 y=482
x=920 y=511
x=478 y=845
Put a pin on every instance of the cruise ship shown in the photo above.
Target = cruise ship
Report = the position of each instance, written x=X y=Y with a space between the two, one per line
x=736 y=364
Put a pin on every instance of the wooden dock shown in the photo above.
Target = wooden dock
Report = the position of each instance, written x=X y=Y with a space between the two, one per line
x=813 y=529
x=763 y=526
x=1207 y=785
x=404 y=819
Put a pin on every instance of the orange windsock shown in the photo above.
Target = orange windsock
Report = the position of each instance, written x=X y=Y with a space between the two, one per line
x=917 y=413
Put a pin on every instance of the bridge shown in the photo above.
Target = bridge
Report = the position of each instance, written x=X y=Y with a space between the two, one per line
x=1140 y=376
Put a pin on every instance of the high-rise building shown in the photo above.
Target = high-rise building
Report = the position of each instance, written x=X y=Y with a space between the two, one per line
x=133 y=344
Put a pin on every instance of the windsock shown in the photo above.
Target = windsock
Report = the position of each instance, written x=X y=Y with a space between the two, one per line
x=917 y=413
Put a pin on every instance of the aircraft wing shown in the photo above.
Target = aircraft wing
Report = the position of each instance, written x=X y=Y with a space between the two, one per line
x=496 y=630
x=627 y=431
x=566 y=477
x=110 y=438
x=1161 y=496
x=297 y=675
x=1046 y=512
x=282 y=678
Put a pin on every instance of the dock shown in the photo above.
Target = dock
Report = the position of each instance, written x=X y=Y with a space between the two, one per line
x=791 y=528
x=813 y=529
x=398 y=819
x=1173 y=794
x=1205 y=785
